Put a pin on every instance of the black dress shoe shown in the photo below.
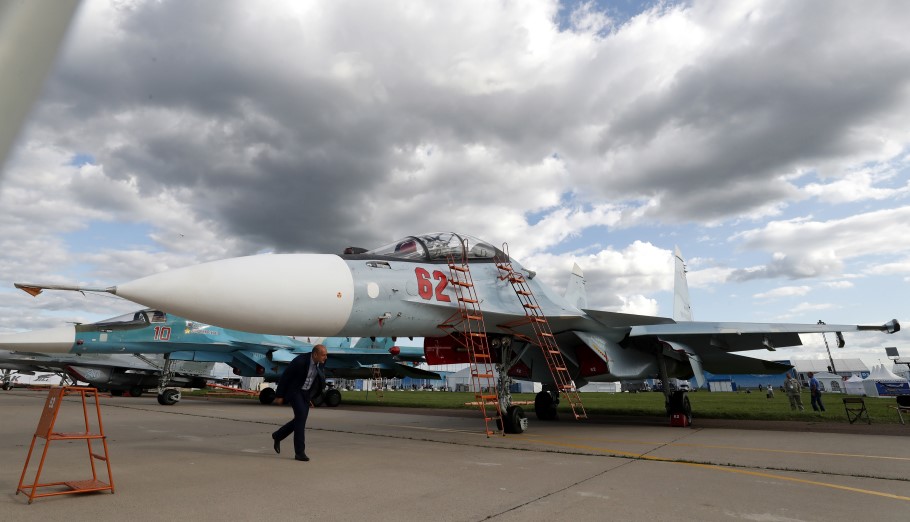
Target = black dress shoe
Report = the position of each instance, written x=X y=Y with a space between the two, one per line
x=276 y=445
x=302 y=457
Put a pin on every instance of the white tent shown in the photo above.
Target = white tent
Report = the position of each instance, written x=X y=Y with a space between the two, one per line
x=882 y=382
x=854 y=385
x=830 y=382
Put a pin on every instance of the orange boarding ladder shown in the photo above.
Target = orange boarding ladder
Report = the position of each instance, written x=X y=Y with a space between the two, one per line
x=46 y=431
x=377 y=384
x=474 y=338
x=544 y=336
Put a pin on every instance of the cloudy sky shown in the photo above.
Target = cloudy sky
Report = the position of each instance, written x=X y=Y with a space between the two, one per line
x=769 y=140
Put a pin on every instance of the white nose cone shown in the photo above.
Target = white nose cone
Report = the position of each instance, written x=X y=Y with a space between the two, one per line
x=53 y=340
x=284 y=294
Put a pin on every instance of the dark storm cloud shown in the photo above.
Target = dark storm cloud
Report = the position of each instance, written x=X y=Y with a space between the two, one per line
x=782 y=94
x=285 y=127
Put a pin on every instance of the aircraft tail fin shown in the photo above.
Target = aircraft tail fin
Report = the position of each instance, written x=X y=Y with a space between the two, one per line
x=367 y=343
x=682 y=308
x=336 y=342
x=576 y=294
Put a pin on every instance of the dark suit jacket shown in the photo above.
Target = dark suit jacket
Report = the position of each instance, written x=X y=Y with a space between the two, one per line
x=294 y=376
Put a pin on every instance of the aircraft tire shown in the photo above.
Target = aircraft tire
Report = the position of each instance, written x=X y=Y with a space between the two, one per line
x=168 y=397
x=514 y=416
x=318 y=400
x=7 y=387
x=136 y=391
x=117 y=393
x=545 y=407
x=679 y=403
x=267 y=396
x=332 y=398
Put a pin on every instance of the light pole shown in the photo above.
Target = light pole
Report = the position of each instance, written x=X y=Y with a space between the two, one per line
x=833 y=369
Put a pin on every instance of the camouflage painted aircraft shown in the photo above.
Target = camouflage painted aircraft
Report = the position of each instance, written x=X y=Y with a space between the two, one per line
x=250 y=355
x=416 y=286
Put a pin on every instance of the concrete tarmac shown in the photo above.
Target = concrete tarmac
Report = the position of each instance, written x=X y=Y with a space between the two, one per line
x=213 y=460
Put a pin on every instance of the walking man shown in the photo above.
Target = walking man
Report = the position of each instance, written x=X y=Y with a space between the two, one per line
x=301 y=381
x=815 y=393
x=792 y=387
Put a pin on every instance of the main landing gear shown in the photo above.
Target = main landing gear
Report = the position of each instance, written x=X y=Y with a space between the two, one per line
x=513 y=416
x=545 y=404
x=167 y=396
x=515 y=420
x=267 y=396
x=677 y=403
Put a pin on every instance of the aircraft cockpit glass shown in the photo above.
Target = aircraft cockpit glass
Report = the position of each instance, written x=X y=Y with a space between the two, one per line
x=131 y=320
x=436 y=247
x=157 y=316
x=125 y=318
x=407 y=248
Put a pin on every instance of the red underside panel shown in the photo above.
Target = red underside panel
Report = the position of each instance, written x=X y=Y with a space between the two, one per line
x=590 y=362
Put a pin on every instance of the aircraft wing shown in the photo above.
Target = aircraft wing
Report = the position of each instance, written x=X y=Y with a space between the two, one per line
x=360 y=365
x=620 y=320
x=718 y=362
x=737 y=337
x=416 y=373
x=112 y=372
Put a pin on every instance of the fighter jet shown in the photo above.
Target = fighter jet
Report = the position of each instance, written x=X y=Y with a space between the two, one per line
x=117 y=374
x=454 y=289
x=250 y=355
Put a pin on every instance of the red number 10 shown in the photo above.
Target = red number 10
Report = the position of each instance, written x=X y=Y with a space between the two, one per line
x=162 y=333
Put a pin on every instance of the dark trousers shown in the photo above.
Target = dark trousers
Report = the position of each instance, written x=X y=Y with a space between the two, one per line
x=297 y=425
x=817 y=401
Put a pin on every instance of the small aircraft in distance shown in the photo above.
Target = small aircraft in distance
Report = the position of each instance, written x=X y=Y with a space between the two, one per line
x=453 y=289
x=117 y=374
x=250 y=355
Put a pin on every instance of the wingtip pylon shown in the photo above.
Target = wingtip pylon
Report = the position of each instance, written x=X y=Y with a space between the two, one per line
x=892 y=326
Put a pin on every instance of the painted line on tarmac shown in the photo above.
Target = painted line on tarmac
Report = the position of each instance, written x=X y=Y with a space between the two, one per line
x=427 y=428
x=799 y=480
x=744 y=448
x=718 y=468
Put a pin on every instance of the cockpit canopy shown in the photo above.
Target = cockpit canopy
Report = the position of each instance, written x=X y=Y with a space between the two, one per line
x=436 y=247
x=140 y=318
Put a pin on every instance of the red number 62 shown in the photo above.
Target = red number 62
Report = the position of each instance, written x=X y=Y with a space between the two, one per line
x=425 y=287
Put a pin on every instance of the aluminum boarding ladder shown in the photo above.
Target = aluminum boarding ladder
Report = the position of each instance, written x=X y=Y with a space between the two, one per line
x=474 y=337
x=544 y=336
